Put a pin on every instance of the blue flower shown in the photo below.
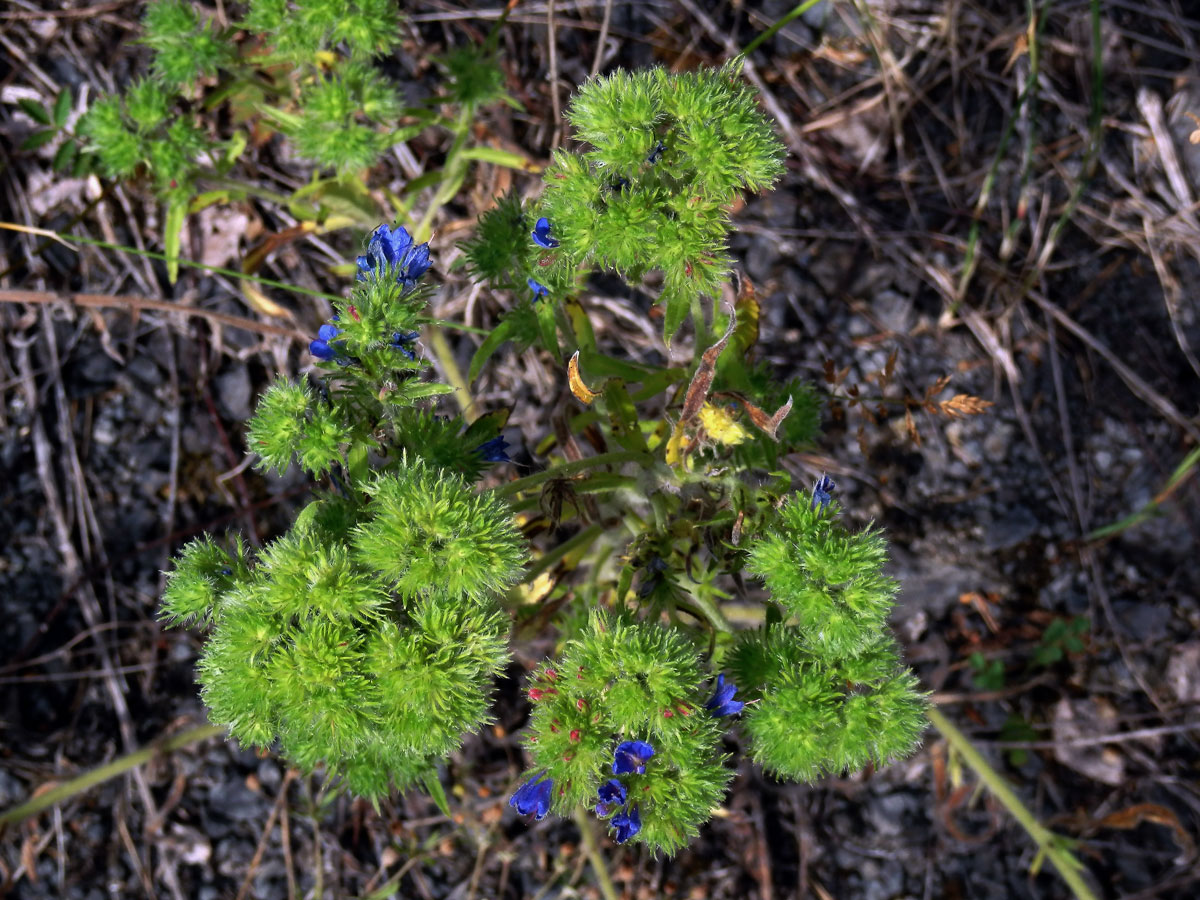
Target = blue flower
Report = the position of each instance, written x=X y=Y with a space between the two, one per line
x=656 y=153
x=391 y=250
x=631 y=756
x=401 y=339
x=495 y=450
x=541 y=234
x=611 y=793
x=539 y=289
x=821 y=492
x=533 y=797
x=722 y=702
x=627 y=823
x=324 y=347
x=321 y=350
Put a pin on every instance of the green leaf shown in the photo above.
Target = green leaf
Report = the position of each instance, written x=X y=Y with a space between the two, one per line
x=62 y=108
x=499 y=157
x=64 y=157
x=173 y=235
x=35 y=111
x=429 y=389
x=490 y=345
x=437 y=793
x=548 y=327
x=209 y=198
x=677 y=310
x=358 y=462
x=38 y=139
x=623 y=417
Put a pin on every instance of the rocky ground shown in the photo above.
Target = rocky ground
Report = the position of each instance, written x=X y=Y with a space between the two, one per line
x=122 y=435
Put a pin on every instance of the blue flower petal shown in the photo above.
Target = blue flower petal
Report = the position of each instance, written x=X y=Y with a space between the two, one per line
x=722 y=702
x=321 y=350
x=533 y=797
x=495 y=450
x=539 y=289
x=328 y=332
x=541 y=234
x=822 y=492
x=627 y=823
x=631 y=756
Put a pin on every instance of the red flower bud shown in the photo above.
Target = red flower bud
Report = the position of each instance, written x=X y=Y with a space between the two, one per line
x=580 y=704
x=574 y=735
x=551 y=674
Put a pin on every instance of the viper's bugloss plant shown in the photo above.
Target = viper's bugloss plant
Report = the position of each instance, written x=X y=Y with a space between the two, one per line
x=366 y=638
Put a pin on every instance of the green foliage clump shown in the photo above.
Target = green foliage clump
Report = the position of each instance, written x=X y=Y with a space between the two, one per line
x=312 y=646
x=832 y=693
x=670 y=152
x=185 y=47
x=366 y=638
x=621 y=680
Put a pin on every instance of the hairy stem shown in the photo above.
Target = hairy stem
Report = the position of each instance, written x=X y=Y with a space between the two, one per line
x=1049 y=844
x=119 y=766
x=591 y=849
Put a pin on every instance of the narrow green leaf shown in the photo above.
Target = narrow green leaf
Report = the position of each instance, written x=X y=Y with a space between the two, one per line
x=38 y=139
x=62 y=108
x=173 y=234
x=499 y=157
x=429 y=389
x=623 y=417
x=490 y=345
x=437 y=793
x=64 y=157
x=358 y=463
x=35 y=111
x=548 y=326
x=677 y=310
x=210 y=198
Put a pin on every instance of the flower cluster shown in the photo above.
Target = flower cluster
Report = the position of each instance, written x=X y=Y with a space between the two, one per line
x=630 y=758
x=392 y=252
x=392 y=257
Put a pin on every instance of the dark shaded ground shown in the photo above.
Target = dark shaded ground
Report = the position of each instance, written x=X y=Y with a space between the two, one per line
x=121 y=436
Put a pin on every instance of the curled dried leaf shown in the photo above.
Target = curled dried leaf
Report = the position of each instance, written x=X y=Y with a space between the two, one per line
x=697 y=392
x=581 y=391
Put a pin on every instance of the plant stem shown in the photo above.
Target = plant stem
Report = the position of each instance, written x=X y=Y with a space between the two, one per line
x=151 y=254
x=1049 y=844
x=453 y=172
x=95 y=777
x=570 y=468
x=798 y=10
x=591 y=849
x=454 y=376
